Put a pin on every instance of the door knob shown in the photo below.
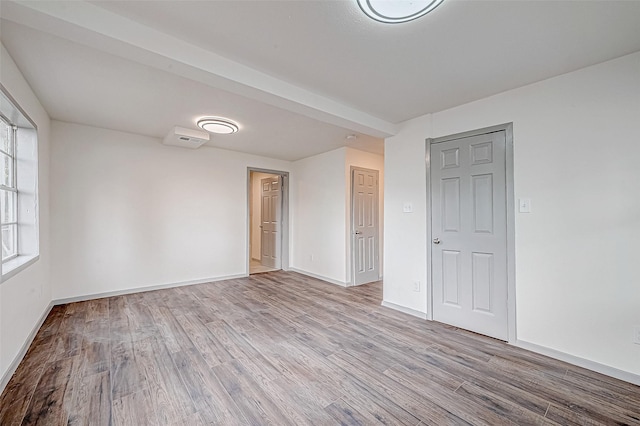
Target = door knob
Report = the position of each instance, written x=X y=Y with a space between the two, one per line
x=358 y=232
x=436 y=241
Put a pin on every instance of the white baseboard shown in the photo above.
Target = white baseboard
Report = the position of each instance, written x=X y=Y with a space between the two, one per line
x=403 y=309
x=319 y=277
x=580 y=362
x=92 y=296
x=552 y=353
x=23 y=350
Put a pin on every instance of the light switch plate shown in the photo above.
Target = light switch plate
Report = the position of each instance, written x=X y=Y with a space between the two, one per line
x=407 y=208
x=524 y=205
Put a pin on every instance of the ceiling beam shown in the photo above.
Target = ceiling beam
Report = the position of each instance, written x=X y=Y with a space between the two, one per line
x=98 y=28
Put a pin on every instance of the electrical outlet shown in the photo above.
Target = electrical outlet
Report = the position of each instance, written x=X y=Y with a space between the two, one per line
x=416 y=286
x=636 y=334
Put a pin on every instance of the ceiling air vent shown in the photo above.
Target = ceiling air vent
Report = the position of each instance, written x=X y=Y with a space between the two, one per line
x=186 y=138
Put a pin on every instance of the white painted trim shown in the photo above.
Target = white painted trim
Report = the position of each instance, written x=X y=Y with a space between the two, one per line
x=429 y=292
x=143 y=289
x=17 y=265
x=319 y=277
x=23 y=350
x=400 y=308
x=512 y=323
x=580 y=362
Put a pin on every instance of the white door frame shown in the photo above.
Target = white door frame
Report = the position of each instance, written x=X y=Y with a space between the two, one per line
x=284 y=219
x=510 y=208
x=352 y=238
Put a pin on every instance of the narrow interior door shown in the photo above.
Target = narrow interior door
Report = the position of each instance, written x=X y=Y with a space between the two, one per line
x=270 y=220
x=365 y=226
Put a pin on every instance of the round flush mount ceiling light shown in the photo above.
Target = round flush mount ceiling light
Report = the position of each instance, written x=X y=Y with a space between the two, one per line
x=397 y=11
x=218 y=125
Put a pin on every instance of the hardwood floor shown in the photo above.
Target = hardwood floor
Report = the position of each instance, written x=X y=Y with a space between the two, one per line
x=283 y=349
x=255 y=267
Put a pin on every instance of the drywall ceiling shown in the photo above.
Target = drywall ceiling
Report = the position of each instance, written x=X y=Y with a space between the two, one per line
x=79 y=84
x=462 y=51
x=299 y=75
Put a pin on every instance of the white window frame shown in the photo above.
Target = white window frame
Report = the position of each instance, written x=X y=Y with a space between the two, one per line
x=13 y=185
x=25 y=185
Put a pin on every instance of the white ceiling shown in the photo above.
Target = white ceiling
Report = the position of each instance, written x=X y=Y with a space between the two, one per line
x=298 y=75
x=79 y=84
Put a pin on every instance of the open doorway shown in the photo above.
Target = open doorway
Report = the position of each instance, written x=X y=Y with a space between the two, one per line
x=268 y=225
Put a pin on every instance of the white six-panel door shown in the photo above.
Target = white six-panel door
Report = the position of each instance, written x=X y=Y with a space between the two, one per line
x=469 y=230
x=365 y=226
x=271 y=199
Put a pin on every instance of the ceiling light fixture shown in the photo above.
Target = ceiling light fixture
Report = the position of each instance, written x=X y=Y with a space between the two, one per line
x=396 y=11
x=218 y=125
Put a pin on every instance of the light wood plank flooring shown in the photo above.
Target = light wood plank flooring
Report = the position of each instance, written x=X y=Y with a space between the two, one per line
x=255 y=267
x=283 y=349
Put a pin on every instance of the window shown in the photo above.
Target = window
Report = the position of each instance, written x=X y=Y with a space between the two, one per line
x=8 y=190
x=18 y=188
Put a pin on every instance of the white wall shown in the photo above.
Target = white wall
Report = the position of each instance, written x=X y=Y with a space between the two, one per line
x=367 y=160
x=405 y=234
x=25 y=297
x=129 y=212
x=319 y=228
x=255 y=213
x=576 y=155
x=322 y=212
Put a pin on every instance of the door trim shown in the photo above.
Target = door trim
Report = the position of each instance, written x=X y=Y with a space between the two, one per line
x=352 y=254
x=284 y=219
x=510 y=210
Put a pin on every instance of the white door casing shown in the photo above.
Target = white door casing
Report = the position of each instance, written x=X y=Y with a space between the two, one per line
x=469 y=268
x=270 y=214
x=364 y=220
